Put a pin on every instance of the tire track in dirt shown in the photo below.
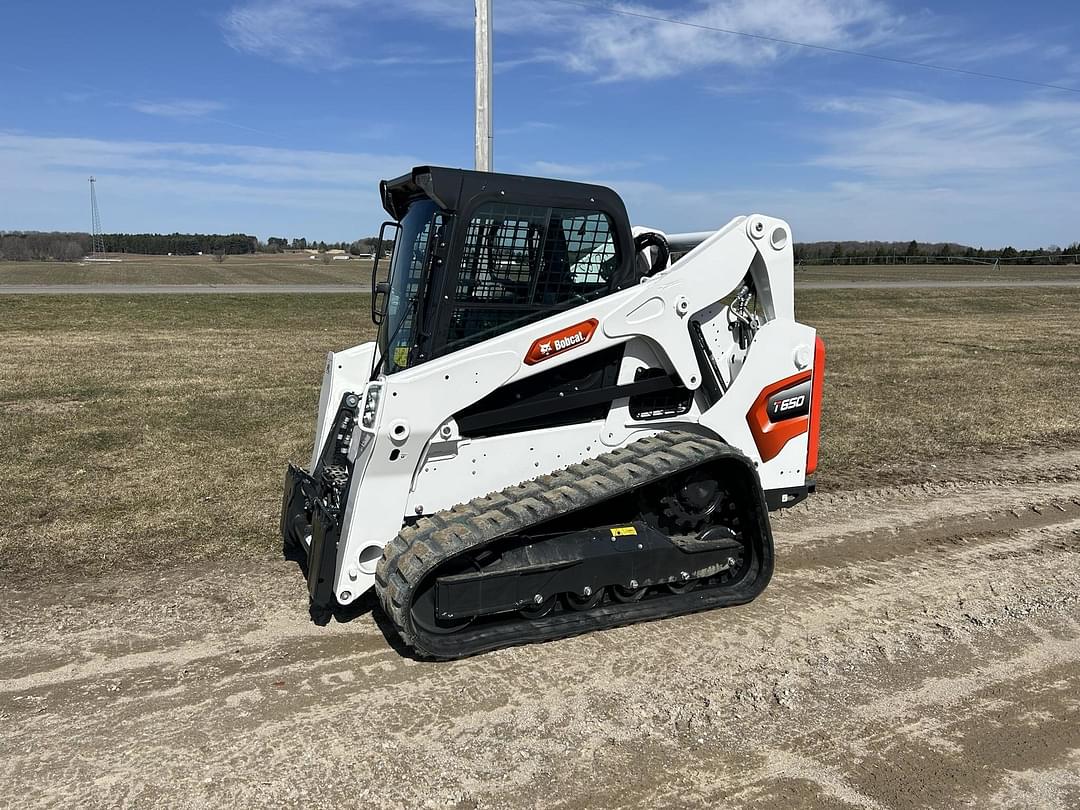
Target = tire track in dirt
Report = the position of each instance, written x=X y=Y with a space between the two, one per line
x=902 y=627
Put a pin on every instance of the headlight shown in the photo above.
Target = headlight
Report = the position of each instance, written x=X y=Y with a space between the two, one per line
x=371 y=405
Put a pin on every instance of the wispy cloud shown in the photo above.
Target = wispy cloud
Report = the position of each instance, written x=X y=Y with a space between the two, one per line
x=323 y=34
x=409 y=60
x=303 y=33
x=154 y=185
x=527 y=126
x=178 y=108
x=908 y=136
x=577 y=171
x=620 y=47
x=261 y=165
x=311 y=33
x=1027 y=212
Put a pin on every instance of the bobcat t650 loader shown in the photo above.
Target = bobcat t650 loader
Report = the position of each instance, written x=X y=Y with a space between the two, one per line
x=565 y=424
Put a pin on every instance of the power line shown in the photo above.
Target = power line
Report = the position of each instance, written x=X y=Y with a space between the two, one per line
x=841 y=51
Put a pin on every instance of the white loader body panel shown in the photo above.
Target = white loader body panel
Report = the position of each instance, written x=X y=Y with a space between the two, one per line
x=414 y=461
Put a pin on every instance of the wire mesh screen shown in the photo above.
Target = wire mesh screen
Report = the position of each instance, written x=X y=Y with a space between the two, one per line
x=579 y=256
x=521 y=263
x=501 y=255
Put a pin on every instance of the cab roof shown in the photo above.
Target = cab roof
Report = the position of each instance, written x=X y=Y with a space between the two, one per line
x=456 y=189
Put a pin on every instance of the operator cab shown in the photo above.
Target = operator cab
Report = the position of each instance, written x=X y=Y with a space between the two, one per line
x=477 y=254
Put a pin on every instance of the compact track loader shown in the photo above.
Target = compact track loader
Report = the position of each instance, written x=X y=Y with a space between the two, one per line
x=565 y=423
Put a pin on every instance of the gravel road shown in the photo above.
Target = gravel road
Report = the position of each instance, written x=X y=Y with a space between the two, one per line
x=919 y=646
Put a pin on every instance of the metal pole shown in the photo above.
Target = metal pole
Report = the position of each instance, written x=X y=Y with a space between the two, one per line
x=484 y=137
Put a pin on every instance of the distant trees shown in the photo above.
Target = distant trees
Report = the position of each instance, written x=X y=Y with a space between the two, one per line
x=38 y=246
x=368 y=245
x=883 y=252
x=66 y=246
x=184 y=244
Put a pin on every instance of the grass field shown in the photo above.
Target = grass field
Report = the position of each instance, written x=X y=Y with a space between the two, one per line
x=289 y=268
x=937 y=272
x=156 y=428
x=262 y=268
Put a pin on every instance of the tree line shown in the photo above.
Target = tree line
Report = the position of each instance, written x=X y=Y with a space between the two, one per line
x=65 y=246
x=180 y=244
x=39 y=246
x=72 y=246
x=882 y=252
x=279 y=244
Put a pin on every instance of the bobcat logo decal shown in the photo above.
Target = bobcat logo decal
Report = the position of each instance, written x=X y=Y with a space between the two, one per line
x=558 y=342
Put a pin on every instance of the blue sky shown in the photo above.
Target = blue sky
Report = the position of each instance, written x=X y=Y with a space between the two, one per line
x=278 y=117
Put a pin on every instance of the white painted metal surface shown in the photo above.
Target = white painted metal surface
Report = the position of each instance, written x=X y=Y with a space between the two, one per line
x=417 y=462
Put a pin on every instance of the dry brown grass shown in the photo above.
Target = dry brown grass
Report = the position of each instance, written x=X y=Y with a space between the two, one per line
x=262 y=268
x=936 y=272
x=295 y=268
x=917 y=377
x=142 y=430
x=155 y=427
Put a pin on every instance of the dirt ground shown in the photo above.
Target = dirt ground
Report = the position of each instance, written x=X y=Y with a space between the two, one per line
x=918 y=647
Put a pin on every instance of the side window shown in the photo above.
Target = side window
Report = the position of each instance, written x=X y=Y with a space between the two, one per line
x=520 y=263
x=406 y=284
x=502 y=254
x=579 y=255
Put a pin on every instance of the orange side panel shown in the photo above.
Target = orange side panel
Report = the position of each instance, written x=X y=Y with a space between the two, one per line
x=770 y=437
x=815 y=406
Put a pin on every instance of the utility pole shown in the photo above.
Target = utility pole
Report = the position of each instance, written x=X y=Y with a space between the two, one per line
x=484 y=136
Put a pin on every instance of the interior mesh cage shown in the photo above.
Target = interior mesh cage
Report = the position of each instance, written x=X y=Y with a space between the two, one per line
x=523 y=262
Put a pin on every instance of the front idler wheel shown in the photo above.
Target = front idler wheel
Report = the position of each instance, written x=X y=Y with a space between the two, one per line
x=424 y=613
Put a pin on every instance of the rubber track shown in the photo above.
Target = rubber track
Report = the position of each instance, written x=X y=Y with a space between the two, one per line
x=420 y=548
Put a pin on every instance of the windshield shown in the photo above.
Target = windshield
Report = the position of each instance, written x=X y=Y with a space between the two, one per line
x=397 y=336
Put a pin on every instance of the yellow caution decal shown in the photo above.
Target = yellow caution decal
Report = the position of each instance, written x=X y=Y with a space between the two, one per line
x=623 y=531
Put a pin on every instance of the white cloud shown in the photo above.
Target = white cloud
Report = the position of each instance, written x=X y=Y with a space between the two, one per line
x=909 y=136
x=1026 y=214
x=577 y=171
x=622 y=47
x=908 y=167
x=167 y=186
x=304 y=33
x=178 y=108
x=526 y=127
x=312 y=33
